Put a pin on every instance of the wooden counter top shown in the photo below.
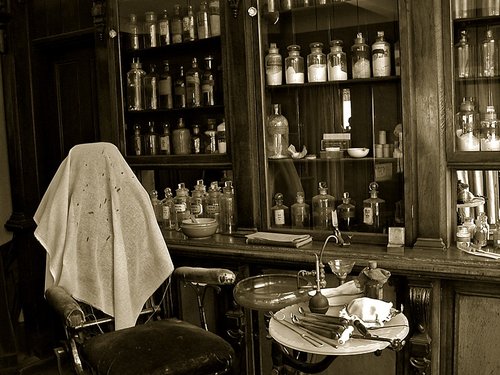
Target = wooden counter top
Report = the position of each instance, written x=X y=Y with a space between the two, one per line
x=447 y=264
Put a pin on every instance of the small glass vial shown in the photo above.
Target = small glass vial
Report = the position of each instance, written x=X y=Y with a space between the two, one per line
x=316 y=63
x=221 y=138
x=151 y=142
x=277 y=134
x=176 y=25
x=337 y=62
x=274 y=66
x=165 y=148
x=151 y=83
x=346 y=213
x=202 y=20
x=134 y=32
x=490 y=140
x=301 y=215
x=181 y=139
x=137 y=140
x=188 y=25
x=164 y=29
x=211 y=133
x=208 y=83
x=294 y=65
x=168 y=210
x=135 y=86
x=214 y=15
x=196 y=140
x=360 y=58
x=463 y=236
x=279 y=212
x=489 y=55
x=467 y=126
x=373 y=208
x=381 y=56
x=323 y=205
x=482 y=231
x=463 y=56
x=151 y=37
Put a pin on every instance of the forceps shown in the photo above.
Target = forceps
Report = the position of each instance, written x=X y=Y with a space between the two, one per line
x=313 y=341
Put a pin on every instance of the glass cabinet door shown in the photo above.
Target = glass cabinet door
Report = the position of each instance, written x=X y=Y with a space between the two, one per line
x=332 y=116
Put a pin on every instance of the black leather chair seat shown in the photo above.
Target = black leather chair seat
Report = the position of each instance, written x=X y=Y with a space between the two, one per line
x=168 y=347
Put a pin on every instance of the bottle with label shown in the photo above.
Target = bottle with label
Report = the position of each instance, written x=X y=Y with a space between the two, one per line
x=137 y=140
x=462 y=236
x=211 y=141
x=156 y=205
x=482 y=232
x=381 y=56
x=373 y=209
x=135 y=86
x=168 y=211
x=214 y=15
x=202 y=20
x=469 y=224
x=221 y=138
x=294 y=65
x=197 y=203
x=165 y=87
x=151 y=88
x=489 y=55
x=188 y=25
x=176 y=25
x=180 y=89
x=490 y=139
x=274 y=66
x=134 y=32
x=301 y=216
x=151 y=140
x=337 y=61
x=467 y=126
x=193 y=85
x=277 y=134
x=279 y=212
x=164 y=29
x=181 y=201
x=323 y=205
x=196 y=140
x=151 y=37
x=208 y=83
x=181 y=139
x=316 y=63
x=346 y=213
x=346 y=110
x=213 y=201
x=228 y=217
x=165 y=148
x=360 y=58
x=463 y=56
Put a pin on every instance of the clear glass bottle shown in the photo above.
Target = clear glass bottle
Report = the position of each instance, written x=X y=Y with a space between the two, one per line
x=181 y=202
x=176 y=25
x=188 y=25
x=346 y=110
x=463 y=56
x=228 y=216
x=180 y=89
x=467 y=126
x=274 y=66
x=135 y=86
x=164 y=29
x=337 y=61
x=156 y=203
x=134 y=33
x=300 y=212
x=221 y=138
x=482 y=232
x=150 y=25
x=490 y=140
x=165 y=88
x=373 y=209
x=294 y=65
x=208 y=83
x=323 y=205
x=462 y=236
x=316 y=63
x=213 y=201
x=181 y=139
x=360 y=53
x=277 y=134
x=381 y=56
x=151 y=140
x=193 y=85
x=197 y=203
x=211 y=133
x=165 y=148
x=279 y=212
x=196 y=140
x=469 y=224
x=168 y=210
x=137 y=140
x=214 y=12
x=202 y=19
x=489 y=55
x=151 y=88
x=346 y=213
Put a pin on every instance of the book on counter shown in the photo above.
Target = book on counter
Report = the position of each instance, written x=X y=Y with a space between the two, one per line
x=278 y=239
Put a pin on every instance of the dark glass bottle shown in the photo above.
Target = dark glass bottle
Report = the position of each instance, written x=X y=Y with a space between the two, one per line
x=137 y=140
x=176 y=25
x=151 y=88
x=151 y=140
x=165 y=87
x=211 y=133
x=150 y=28
x=196 y=140
x=193 y=85
x=164 y=29
x=188 y=25
x=165 y=148
x=202 y=20
x=180 y=89
x=208 y=83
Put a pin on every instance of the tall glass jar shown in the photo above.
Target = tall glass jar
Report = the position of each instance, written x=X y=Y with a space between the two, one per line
x=463 y=56
x=151 y=87
x=360 y=58
x=467 y=126
x=322 y=208
x=381 y=56
x=135 y=86
x=337 y=61
x=274 y=66
x=490 y=140
x=277 y=134
x=294 y=65
x=181 y=139
x=489 y=55
x=316 y=63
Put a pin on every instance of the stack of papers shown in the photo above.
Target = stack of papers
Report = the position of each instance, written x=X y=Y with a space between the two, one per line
x=278 y=239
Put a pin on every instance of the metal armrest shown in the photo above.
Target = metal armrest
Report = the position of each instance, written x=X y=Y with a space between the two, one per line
x=200 y=275
x=66 y=306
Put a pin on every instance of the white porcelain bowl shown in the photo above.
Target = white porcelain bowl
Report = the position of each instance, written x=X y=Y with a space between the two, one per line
x=358 y=152
x=204 y=227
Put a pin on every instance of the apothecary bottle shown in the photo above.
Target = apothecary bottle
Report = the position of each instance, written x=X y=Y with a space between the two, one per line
x=165 y=148
x=213 y=201
x=211 y=133
x=373 y=209
x=300 y=212
x=176 y=25
x=151 y=88
x=228 y=214
x=294 y=65
x=337 y=61
x=274 y=66
x=168 y=210
x=360 y=53
x=181 y=139
x=181 y=204
x=323 y=205
x=489 y=55
x=135 y=88
x=193 y=85
x=134 y=32
x=469 y=224
x=277 y=134
x=462 y=236
x=467 y=126
x=165 y=87
x=188 y=25
x=463 y=56
x=137 y=140
x=208 y=83
x=197 y=203
x=490 y=139
x=180 y=89
x=346 y=213
x=151 y=140
x=164 y=29
x=150 y=27
x=381 y=56
x=481 y=234
x=202 y=20
x=156 y=203
x=221 y=137
x=214 y=16
x=316 y=63
x=279 y=212
x=196 y=140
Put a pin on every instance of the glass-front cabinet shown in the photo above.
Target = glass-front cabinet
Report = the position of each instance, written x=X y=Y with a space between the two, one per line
x=333 y=134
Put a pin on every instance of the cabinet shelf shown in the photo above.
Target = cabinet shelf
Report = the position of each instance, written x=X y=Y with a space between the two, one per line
x=360 y=81
x=212 y=43
x=205 y=109
x=367 y=159
x=205 y=161
x=476 y=21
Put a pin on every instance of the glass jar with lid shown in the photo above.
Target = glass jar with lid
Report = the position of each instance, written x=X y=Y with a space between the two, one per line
x=294 y=65
x=273 y=66
x=360 y=58
x=490 y=140
x=467 y=121
x=337 y=61
x=316 y=63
